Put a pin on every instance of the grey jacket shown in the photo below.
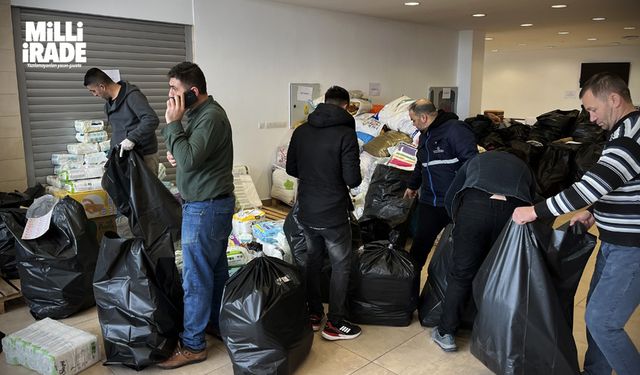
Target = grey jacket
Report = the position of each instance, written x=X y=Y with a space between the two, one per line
x=131 y=116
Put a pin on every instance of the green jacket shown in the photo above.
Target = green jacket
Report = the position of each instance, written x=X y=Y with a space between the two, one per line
x=203 y=152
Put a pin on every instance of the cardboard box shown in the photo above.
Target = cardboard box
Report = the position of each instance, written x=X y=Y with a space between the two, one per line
x=96 y=202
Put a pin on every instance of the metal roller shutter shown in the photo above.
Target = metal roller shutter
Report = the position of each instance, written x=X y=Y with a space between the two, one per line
x=51 y=99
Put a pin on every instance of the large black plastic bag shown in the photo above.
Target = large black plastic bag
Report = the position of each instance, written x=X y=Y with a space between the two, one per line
x=522 y=293
x=56 y=269
x=553 y=125
x=8 y=262
x=16 y=199
x=555 y=168
x=141 y=197
x=263 y=319
x=383 y=286
x=139 y=298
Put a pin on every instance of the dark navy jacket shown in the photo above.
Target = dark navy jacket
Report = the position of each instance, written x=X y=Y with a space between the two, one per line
x=442 y=149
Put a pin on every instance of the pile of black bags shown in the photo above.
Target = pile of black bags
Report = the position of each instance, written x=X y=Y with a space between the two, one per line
x=8 y=262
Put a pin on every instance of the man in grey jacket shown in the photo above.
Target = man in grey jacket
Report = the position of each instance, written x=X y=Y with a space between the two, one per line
x=133 y=121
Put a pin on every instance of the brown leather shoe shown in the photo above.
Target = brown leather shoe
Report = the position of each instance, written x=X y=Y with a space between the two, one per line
x=181 y=357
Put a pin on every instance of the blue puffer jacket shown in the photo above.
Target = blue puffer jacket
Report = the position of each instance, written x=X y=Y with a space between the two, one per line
x=442 y=149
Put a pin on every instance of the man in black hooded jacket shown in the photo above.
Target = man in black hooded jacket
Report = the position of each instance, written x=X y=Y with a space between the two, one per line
x=323 y=154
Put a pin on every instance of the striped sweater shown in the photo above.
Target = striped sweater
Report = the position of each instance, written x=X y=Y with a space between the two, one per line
x=612 y=186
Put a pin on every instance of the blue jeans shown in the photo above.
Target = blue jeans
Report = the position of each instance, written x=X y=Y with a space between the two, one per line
x=613 y=296
x=206 y=227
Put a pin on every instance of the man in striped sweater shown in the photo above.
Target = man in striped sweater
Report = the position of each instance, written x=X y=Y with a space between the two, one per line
x=611 y=189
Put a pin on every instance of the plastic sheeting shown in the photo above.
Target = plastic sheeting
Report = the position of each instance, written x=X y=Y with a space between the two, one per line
x=8 y=262
x=555 y=168
x=16 y=199
x=141 y=197
x=56 y=269
x=263 y=320
x=524 y=294
x=139 y=298
x=383 y=286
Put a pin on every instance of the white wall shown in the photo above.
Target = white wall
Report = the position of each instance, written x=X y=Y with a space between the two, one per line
x=469 y=72
x=527 y=84
x=251 y=50
x=176 y=11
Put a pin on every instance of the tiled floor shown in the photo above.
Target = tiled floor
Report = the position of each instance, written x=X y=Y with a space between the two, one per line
x=380 y=350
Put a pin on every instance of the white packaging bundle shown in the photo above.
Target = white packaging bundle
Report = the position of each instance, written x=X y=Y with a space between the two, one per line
x=83 y=148
x=245 y=191
x=396 y=115
x=51 y=348
x=54 y=181
x=57 y=169
x=283 y=186
x=83 y=185
x=81 y=173
x=99 y=136
x=88 y=126
x=237 y=256
x=95 y=158
x=105 y=145
x=243 y=220
x=59 y=159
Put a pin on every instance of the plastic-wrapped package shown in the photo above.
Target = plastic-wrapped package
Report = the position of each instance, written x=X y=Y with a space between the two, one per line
x=403 y=157
x=81 y=173
x=99 y=136
x=379 y=145
x=243 y=220
x=281 y=156
x=59 y=159
x=88 y=126
x=237 y=256
x=263 y=318
x=104 y=146
x=283 y=187
x=395 y=115
x=83 y=185
x=82 y=148
x=96 y=158
x=57 y=169
x=55 y=181
x=50 y=347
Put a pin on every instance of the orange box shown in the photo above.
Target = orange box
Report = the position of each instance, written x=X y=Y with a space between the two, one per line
x=376 y=108
x=96 y=203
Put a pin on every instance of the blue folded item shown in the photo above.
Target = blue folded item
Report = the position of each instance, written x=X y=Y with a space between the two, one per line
x=266 y=231
x=364 y=137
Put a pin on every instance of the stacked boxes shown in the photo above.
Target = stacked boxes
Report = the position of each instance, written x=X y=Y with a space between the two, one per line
x=51 y=348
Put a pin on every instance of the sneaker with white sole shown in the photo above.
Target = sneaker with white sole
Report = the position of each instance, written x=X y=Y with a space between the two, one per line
x=446 y=342
x=316 y=321
x=340 y=331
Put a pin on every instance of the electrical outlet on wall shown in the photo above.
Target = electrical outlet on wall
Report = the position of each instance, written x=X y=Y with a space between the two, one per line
x=272 y=124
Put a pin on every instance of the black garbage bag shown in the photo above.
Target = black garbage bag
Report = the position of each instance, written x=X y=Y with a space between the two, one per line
x=141 y=197
x=586 y=158
x=492 y=141
x=139 y=298
x=431 y=300
x=516 y=132
x=523 y=292
x=56 y=269
x=264 y=320
x=16 y=199
x=384 y=199
x=383 y=286
x=553 y=125
x=555 y=168
x=8 y=262
x=481 y=126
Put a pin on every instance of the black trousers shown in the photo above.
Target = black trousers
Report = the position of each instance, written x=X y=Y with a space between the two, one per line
x=431 y=221
x=478 y=223
x=336 y=242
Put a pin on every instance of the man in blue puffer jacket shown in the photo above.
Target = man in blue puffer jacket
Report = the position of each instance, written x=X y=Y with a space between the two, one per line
x=445 y=144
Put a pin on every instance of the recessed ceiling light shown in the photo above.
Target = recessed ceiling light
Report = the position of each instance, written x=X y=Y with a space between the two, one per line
x=488 y=38
x=551 y=46
x=629 y=27
x=615 y=43
x=522 y=44
x=598 y=19
x=592 y=39
x=478 y=15
x=411 y=3
x=494 y=50
x=558 y=6
x=563 y=33
x=526 y=24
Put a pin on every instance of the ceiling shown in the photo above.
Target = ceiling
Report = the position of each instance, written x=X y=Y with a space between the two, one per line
x=503 y=19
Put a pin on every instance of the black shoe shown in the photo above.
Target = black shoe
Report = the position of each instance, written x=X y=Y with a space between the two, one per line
x=316 y=321
x=340 y=331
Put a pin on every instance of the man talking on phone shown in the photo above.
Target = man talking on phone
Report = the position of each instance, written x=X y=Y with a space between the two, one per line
x=202 y=152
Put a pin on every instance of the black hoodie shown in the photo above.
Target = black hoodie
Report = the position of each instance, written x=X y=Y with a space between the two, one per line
x=131 y=117
x=323 y=154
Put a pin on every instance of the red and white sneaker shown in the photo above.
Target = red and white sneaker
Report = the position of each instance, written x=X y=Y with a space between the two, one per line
x=340 y=331
x=316 y=321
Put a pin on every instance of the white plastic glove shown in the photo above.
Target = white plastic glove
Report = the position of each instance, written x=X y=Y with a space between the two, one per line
x=126 y=145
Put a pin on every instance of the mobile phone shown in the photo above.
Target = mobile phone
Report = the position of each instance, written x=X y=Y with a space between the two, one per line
x=189 y=99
